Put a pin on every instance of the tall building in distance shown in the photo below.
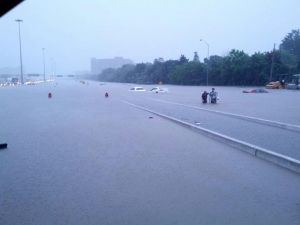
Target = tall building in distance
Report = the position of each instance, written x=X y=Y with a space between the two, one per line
x=98 y=65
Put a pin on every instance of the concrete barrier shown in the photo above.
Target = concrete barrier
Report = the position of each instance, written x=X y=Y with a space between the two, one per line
x=271 y=123
x=276 y=158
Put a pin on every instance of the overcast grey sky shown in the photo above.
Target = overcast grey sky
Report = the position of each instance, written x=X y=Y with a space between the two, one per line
x=74 y=31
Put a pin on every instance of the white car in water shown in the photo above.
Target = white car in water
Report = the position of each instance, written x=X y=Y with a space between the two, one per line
x=137 y=89
x=159 y=90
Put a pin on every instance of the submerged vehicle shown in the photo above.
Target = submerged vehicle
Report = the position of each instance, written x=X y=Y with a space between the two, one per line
x=274 y=85
x=256 y=90
x=137 y=89
x=159 y=89
x=295 y=83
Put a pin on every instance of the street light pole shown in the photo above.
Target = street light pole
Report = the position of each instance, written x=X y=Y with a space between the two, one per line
x=44 y=64
x=272 y=64
x=20 y=44
x=207 y=60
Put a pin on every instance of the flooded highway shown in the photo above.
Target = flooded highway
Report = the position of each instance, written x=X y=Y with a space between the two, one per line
x=81 y=158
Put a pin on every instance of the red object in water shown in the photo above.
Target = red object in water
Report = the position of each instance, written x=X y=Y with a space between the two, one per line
x=49 y=95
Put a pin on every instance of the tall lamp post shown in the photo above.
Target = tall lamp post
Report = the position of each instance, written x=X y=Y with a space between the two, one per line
x=20 y=44
x=44 y=64
x=272 y=64
x=202 y=40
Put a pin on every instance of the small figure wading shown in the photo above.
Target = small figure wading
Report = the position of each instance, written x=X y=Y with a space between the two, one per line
x=213 y=96
x=49 y=95
x=204 y=97
x=106 y=95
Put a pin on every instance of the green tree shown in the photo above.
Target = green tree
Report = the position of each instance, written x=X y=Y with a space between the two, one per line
x=291 y=43
x=259 y=69
x=215 y=70
x=236 y=68
x=183 y=59
x=191 y=73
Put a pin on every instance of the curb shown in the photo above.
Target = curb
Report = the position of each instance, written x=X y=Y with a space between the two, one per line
x=276 y=158
x=271 y=123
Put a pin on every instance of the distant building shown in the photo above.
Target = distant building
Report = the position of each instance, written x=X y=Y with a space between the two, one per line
x=98 y=65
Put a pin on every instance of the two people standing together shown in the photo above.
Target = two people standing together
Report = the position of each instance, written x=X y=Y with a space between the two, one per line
x=212 y=96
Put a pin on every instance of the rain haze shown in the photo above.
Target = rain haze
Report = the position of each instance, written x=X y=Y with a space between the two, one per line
x=119 y=117
x=72 y=32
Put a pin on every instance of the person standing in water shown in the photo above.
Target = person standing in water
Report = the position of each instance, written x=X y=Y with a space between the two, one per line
x=204 y=97
x=213 y=96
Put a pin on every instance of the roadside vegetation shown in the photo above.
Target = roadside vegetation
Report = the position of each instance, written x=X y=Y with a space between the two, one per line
x=236 y=68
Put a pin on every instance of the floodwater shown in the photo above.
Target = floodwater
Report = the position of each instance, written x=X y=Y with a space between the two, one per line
x=81 y=158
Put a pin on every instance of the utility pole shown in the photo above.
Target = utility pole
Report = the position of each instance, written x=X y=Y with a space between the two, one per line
x=272 y=64
x=20 y=44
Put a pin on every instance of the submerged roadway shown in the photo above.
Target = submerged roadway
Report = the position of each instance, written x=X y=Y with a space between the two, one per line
x=80 y=158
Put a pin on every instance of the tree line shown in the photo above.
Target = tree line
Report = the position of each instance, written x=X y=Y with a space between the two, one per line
x=235 y=68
